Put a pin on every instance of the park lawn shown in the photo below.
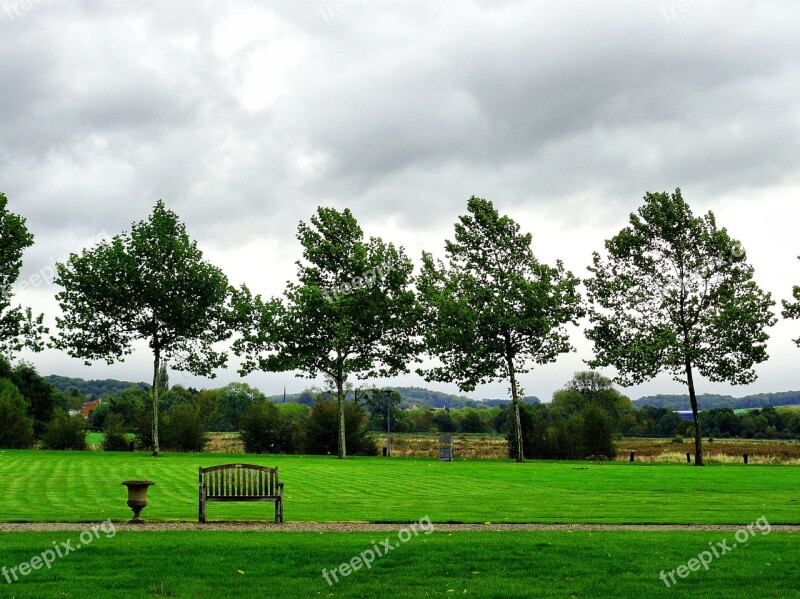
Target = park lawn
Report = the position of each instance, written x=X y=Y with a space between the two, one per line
x=473 y=564
x=42 y=486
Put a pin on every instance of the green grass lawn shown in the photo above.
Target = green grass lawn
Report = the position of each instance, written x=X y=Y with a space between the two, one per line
x=476 y=564
x=40 y=486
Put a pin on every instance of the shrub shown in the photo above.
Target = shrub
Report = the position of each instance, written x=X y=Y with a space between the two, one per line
x=65 y=432
x=266 y=429
x=16 y=430
x=321 y=429
x=598 y=432
x=114 y=430
x=182 y=429
x=677 y=439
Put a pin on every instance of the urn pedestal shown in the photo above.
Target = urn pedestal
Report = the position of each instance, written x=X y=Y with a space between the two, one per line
x=137 y=497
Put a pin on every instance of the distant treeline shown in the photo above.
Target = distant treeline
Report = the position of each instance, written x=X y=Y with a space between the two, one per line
x=93 y=389
x=710 y=401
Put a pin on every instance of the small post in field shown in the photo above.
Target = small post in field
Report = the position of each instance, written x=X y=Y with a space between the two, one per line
x=633 y=456
x=746 y=457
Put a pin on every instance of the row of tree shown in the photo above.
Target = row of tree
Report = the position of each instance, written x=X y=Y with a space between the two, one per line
x=673 y=293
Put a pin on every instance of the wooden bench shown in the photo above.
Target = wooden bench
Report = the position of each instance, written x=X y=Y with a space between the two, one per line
x=240 y=482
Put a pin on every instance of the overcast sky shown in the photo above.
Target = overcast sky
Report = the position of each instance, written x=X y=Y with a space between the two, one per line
x=244 y=119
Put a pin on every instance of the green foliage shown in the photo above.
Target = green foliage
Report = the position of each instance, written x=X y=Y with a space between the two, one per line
x=183 y=429
x=94 y=388
x=266 y=429
x=322 y=426
x=16 y=427
x=493 y=308
x=115 y=434
x=231 y=403
x=675 y=295
x=151 y=284
x=65 y=432
x=381 y=403
x=550 y=434
x=365 y=331
x=792 y=309
x=18 y=327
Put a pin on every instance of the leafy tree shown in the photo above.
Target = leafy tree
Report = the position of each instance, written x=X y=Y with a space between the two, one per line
x=677 y=295
x=598 y=432
x=16 y=428
x=321 y=434
x=792 y=309
x=151 y=284
x=232 y=401
x=65 y=432
x=114 y=429
x=266 y=429
x=183 y=429
x=473 y=423
x=494 y=309
x=352 y=311
x=590 y=387
x=18 y=327
x=39 y=394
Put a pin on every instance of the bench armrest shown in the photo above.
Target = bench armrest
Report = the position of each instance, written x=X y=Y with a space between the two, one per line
x=280 y=487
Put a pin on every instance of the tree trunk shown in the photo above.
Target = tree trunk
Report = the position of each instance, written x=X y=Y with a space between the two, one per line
x=698 y=439
x=514 y=402
x=340 y=399
x=156 y=365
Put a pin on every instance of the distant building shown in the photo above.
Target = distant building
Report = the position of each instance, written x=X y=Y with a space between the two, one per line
x=685 y=414
x=89 y=407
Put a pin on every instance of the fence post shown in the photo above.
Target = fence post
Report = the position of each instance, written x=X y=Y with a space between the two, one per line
x=633 y=455
x=688 y=458
x=745 y=456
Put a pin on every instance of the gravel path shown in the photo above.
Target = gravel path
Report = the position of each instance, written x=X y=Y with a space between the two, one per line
x=372 y=527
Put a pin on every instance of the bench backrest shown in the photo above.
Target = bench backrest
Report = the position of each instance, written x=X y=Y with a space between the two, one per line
x=239 y=480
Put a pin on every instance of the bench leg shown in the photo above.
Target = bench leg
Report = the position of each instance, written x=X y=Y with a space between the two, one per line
x=279 y=511
x=202 y=509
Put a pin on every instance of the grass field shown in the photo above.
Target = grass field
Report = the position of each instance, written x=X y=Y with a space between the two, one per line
x=41 y=486
x=478 y=564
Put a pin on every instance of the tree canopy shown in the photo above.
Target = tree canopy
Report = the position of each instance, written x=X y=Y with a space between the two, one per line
x=19 y=328
x=676 y=294
x=351 y=312
x=492 y=308
x=151 y=284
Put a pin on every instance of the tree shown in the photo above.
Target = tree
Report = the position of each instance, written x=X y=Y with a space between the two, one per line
x=16 y=431
x=382 y=405
x=494 y=308
x=321 y=429
x=352 y=311
x=792 y=309
x=265 y=429
x=114 y=430
x=677 y=295
x=18 y=327
x=37 y=392
x=65 y=432
x=151 y=284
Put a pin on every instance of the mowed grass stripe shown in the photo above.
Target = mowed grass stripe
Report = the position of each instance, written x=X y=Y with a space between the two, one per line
x=478 y=564
x=44 y=486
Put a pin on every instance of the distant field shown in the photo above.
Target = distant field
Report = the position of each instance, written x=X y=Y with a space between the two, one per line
x=42 y=486
x=478 y=564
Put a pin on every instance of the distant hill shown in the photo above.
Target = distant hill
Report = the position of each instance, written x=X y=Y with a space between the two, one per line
x=437 y=399
x=93 y=389
x=709 y=401
x=426 y=397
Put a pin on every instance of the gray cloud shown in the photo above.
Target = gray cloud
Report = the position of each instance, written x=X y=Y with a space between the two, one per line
x=245 y=118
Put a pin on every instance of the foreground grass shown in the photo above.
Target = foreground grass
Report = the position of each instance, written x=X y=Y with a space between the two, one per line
x=478 y=564
x=40 y=486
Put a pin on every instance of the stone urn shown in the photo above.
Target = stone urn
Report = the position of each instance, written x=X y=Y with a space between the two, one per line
x=137 y=497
